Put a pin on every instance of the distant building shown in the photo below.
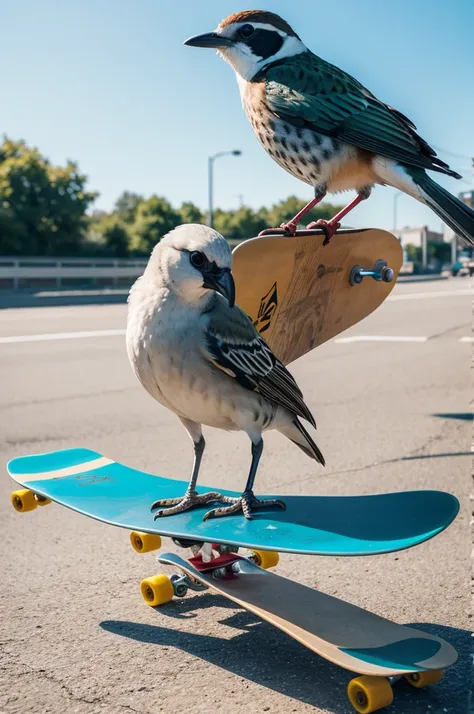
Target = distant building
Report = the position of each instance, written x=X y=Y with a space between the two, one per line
x=417 y=236
x=468 y=198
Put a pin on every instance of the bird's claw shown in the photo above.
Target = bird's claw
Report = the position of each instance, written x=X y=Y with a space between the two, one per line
x=180 y=505
x=245 y=503
x=285 y=229
x=290 y=228
x=328 y=228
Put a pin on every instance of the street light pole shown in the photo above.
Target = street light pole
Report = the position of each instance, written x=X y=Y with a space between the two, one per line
x=395 y=199
x=210 y=180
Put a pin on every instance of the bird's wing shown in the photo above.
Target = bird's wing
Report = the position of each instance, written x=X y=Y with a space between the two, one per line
x=309 y=92
x=232 y=344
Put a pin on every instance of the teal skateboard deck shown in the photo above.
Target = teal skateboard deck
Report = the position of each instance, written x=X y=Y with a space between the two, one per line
x=100 y=488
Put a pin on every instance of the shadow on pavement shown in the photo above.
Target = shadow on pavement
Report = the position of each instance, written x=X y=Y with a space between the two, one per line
x=465 y=416
x=443 y=455
x=262 y=654
x=181 y=608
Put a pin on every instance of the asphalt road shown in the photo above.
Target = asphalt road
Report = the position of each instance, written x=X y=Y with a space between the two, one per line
x=75 y=635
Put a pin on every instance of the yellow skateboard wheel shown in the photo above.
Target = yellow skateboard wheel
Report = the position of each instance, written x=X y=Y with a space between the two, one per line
x=24 y=500
x=424 y=679
x=144 y=542
x=369 y=694
x=265 y=558
x=157 y=590
x=42 y=500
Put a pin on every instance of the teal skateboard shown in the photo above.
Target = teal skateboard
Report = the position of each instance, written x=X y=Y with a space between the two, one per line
x=98 y=487
x=379 y=650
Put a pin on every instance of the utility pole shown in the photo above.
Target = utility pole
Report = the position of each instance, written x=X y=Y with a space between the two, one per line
x=210 y=180
x=395 y=200
x=424 y=247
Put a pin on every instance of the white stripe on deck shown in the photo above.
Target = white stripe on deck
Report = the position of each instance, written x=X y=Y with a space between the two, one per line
x=67 y=471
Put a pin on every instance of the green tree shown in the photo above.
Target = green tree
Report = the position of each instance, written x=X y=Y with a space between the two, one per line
x=108 y=234
x=240 y=224
x=285 y=210
x=43 y=206
x=440 y=251
x=116 y=239
x=414 y=253
x=190 y=213
x=126 y=206
x=154 y=218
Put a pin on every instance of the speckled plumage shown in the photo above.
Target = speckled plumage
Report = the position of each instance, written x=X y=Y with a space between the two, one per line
x=310 y=156
x=323 y=126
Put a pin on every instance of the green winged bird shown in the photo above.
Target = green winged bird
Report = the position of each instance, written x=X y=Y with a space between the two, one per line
x=323 y=126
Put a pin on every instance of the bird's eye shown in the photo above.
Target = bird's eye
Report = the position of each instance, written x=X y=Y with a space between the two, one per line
x=197 y=258
x=246 y=31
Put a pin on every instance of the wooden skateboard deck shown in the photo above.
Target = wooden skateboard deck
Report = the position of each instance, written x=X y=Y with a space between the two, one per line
x=103 y=489
x=342 y=633
x=298 y=292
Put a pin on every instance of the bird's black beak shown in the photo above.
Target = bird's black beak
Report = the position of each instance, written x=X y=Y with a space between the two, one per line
x=209 y=39
x=223 y=283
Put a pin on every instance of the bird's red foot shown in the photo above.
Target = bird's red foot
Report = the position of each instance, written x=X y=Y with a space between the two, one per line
x=285 y=229
x=289 y=227
x=328 y=227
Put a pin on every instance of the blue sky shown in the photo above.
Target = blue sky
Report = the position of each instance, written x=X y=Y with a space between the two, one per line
x=111 y=85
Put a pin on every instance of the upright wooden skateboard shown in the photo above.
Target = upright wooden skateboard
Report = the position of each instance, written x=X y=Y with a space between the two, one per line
x=380 y=650
x=300 y=293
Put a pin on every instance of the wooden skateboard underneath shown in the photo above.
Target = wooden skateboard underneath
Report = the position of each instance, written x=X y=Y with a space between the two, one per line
x=344 y=634
x=300 y=293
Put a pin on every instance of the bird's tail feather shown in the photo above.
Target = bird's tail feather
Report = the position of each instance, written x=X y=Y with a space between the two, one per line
x=456 y=214
x=299 y=436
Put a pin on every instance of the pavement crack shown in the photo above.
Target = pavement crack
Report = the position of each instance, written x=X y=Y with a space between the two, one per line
x=27 y=671
x=411 y=455
x=450 y=329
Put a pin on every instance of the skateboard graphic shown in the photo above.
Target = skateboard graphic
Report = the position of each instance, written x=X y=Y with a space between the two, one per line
x=300 y=293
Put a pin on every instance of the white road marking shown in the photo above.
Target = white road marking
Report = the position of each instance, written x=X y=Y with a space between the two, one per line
x=111 y=333
x=342 y=340
x=432 y=294
x=60 y=336
x=380 y=338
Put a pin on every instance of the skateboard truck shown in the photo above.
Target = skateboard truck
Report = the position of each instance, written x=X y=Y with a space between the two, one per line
x=380 y=272
x=222 y=567
x=182 y=583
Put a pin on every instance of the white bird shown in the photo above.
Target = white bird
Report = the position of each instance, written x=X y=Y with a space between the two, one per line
x=200 y=356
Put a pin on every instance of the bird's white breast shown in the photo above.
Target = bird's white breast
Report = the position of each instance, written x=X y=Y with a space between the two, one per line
x=164 y=345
